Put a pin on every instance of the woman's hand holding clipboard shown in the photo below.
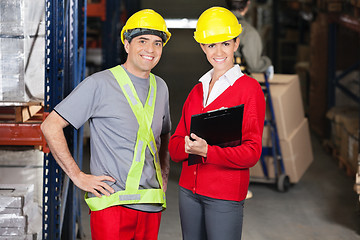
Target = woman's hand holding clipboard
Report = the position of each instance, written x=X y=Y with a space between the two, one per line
x=221 y=127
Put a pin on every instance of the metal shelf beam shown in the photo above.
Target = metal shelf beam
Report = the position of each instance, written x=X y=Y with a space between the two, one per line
x=335 y=81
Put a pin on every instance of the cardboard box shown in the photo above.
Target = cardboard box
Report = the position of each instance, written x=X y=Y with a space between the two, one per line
x=350 y=126
x=337 y=115
x=335 y=6
x=334 y=115
x=330 y=5
x=296 y=152
x=287 y=102
x=350 y=138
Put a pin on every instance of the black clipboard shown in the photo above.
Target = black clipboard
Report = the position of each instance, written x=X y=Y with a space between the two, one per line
x=222 y=127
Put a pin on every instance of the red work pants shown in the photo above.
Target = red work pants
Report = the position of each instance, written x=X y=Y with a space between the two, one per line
x=123 y=223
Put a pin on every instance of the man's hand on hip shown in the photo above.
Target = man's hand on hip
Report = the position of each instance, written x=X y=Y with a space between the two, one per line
x=94 y=184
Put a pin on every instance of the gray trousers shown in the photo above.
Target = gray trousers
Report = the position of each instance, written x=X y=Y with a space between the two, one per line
x=205 y=218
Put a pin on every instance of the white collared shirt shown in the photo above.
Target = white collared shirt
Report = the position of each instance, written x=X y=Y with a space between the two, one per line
x=225 y=81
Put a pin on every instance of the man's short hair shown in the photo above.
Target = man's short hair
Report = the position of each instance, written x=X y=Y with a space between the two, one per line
x=132 y=33
x=237 y=4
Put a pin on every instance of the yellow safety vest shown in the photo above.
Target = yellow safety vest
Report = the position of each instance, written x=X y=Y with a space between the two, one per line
x=145 y=138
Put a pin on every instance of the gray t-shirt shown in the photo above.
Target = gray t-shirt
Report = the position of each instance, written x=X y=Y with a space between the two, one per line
x=113 y=127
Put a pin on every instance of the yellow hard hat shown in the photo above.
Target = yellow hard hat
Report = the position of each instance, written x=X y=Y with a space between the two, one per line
x=146 y=21
x=216 y=24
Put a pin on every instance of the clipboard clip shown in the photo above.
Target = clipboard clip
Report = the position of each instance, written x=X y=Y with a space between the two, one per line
x=217 y=109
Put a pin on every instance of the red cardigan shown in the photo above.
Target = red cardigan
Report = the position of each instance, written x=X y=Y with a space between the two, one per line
x=224 y=173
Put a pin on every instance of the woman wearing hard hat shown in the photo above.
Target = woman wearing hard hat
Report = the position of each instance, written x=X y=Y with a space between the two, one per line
x=212 y=193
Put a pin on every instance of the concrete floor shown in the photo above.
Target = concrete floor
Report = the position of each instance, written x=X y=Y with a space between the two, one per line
x=322 y=205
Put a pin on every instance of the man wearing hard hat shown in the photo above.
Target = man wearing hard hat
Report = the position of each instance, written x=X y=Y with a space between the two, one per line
x=249 y=54
x=128 y=111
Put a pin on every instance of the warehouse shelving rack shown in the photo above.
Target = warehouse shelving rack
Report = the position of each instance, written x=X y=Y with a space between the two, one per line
x=20 y=124
x=112 y=15
x=335 y=81
x=353 y=24
x=65 y=54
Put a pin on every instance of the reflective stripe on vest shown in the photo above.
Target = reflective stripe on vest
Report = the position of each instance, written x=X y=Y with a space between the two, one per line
x=145 y=138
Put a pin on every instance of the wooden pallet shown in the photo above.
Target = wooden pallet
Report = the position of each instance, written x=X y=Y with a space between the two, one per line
x=21 y=112
x=20 y=125
x=342 y=163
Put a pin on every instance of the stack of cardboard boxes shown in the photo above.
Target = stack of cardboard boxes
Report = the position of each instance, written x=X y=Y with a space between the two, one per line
x=292 y=126
x=344 y=121
x=16 y=203
x=345 y=135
